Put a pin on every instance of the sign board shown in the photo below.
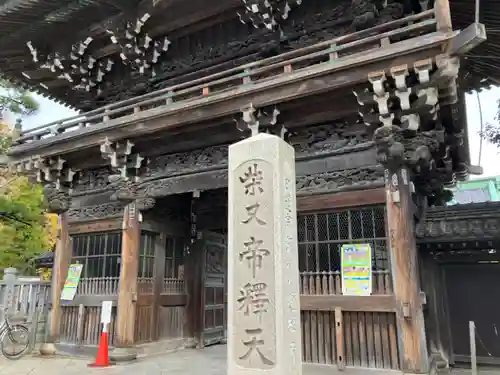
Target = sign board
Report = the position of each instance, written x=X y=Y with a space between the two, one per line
x=72 y=280
x=356 y=268
x=106 y=312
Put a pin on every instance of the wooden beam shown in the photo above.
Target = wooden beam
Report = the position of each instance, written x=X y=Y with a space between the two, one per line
x=171 y=300
x=404 y=269
x=164 y=300
x=217 y=178
x=468 y=39
x=95 y=226
x=91 y=301
x=62 y=259
x=127 y=296
x=313 y=80
x=375 y=303
x=341 y=200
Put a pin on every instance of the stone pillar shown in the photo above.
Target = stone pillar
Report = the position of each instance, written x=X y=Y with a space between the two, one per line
x=59 y=203
x=263 y=288
x=9 y=279
x=127 y=295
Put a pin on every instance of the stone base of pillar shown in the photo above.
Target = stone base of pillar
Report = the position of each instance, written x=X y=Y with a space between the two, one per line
x=123 y=354
x=48 y=349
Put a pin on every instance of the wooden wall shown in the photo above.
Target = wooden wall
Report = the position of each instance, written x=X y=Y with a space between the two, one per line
x=344 y=330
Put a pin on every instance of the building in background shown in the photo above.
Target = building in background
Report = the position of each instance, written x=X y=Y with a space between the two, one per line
x=476 y=191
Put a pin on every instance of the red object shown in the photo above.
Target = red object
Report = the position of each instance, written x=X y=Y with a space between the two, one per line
x=102 y=358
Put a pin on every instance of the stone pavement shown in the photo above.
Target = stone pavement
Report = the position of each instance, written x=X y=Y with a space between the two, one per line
x=209 y=361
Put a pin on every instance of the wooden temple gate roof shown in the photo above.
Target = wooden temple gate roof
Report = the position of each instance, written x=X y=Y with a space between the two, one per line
x=480 y=64
x=306 y=83
x=52 y=25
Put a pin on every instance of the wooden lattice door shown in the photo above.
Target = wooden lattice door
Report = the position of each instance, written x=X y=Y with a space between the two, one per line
x=214 y=288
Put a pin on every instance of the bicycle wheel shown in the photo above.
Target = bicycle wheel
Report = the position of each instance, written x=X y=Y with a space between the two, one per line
x=15 y=342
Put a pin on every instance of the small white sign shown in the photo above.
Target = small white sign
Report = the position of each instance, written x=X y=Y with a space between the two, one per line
x=106 y=312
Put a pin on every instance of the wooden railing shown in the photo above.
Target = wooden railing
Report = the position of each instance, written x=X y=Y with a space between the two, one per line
x=328 y=283
x=145 y=285
x=98 y=286
x=338 y=53
x=28 y=300
x=173 y=286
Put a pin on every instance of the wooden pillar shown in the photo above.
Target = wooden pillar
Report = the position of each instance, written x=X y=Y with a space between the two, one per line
x=404 y=265
x=193 y=272
x=443 y=15
x=62 y=259
x=158 y=277
x=193 y=263
x=127 y=295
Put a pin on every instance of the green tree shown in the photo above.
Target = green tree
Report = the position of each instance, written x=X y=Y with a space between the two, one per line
x=23 y=223
x=17 y=101
x=491 y=132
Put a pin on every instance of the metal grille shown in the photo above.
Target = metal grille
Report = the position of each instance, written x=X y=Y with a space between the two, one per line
x=321 y=236
x=147 y=254
x=174 y=257
x=99 y=253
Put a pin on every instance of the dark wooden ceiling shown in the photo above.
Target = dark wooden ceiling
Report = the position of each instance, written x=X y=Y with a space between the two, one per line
x=56 y=24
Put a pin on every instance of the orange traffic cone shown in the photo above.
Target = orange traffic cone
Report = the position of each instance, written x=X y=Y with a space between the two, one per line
x=102 y=358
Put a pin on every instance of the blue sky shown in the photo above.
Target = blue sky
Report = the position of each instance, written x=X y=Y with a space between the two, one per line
x=50 y=111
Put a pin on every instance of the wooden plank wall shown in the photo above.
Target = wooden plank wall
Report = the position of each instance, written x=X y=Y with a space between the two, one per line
x=171 y=306
x=343 y=330
x=81 y=325
x=368 y=328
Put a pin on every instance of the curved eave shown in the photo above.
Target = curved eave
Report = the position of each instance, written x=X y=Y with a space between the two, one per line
x=480 y=65
x=38 y=90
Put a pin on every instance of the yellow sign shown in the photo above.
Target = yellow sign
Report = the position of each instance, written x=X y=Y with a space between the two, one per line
x=71 y=284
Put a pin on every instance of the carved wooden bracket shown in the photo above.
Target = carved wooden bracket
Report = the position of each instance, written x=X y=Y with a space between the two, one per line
x=266 y=13
x=76 y=65
x=138 y=49
x=58 y=201
x=57 y=178
x=145 y=204
x=127 y=165
x=399 y=105
x=259 y=120
x=51 y=171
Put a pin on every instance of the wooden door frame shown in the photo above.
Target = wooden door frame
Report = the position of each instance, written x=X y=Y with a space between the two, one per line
x=202 y=279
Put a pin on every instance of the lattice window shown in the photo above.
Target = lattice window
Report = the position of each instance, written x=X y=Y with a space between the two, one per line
x=147 y=254
x=174 y=257
x=99 y=253
x=321 y=236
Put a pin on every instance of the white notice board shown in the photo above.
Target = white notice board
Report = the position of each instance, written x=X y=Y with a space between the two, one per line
x=106 y=312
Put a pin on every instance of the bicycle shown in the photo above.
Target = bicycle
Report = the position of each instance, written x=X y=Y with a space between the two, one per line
x=12 y=335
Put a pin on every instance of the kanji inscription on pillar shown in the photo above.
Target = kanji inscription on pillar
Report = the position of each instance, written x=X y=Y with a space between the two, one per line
x=253 y=266
x=263 y=286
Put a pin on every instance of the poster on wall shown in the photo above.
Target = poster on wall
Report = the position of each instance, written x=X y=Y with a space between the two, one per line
x=71 y=284
x=356 y=269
